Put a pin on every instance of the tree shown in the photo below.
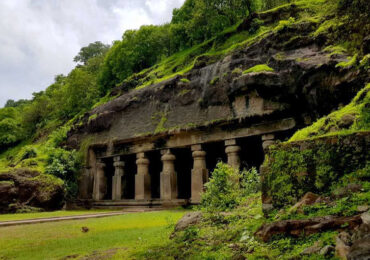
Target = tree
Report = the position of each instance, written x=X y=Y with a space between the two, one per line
x=138 y=50
x=11 y=131
x=92 y=50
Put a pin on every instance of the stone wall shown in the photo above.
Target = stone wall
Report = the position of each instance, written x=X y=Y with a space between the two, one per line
x=292 y=169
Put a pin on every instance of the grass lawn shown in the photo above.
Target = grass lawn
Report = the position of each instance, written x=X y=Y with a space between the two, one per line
x=120 y=237
x=60 y=213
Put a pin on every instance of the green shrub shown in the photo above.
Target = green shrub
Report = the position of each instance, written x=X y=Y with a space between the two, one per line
x=228 y=188
x=222 y=189
x=64 y=165
x=250 y=182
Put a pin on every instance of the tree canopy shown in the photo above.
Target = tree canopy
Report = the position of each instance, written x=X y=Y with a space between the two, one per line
x=92 y=50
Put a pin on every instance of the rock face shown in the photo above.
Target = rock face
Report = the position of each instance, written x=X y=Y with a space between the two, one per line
x=305 y=226
x=22 y=189
x=305 y=83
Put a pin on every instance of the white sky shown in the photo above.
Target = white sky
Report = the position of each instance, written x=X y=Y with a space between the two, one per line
x=39 y=38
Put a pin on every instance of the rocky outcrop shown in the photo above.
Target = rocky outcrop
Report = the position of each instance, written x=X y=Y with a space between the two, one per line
x=305 y=84
x=295 y=168
x=25 y=189
x=306 y=226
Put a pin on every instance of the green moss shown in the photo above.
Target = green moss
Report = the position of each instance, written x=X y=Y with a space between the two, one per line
x=160 y=126
x=293 y=169
x=284 y=24
x=214 y=81
x=333 y=123
x=335 y=50
x=183 y=92
x=365 y=62
x=184 y=80
x=7 y=183
x=93 y=116
x=347 y=64
x=237 y=71
x=259 y=68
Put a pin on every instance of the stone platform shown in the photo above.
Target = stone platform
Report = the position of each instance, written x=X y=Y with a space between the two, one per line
x=154 y=204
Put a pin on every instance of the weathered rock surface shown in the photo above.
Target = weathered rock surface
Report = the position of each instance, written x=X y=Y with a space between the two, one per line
x=187 y=220
x=306 y=83
x=22 y=189
x=306 y=226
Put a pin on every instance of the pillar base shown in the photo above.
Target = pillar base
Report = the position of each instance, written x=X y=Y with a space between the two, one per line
x=198 y=178
x=142 y=187
x=168 y=186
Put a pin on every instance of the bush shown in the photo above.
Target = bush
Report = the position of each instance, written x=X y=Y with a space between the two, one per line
x=228 y=187
x=222 y=189
x=250 y=182
x=64 y=165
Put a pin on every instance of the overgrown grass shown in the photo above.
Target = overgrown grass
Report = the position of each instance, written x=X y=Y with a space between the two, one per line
x=60 y=213
x=118 y=237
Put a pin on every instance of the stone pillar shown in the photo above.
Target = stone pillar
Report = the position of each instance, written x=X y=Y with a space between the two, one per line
x=142 y=178
x=267 y=140
x=100 y=182
x=199 y=174
x=168 y=176
x=232 y=151
x=117 y=178
x=83 y=183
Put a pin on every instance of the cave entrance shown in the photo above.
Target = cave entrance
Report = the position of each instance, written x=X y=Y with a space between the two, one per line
x=109 y=172
x=155 y=168
x=128 y=179
x=215 y=153
x=251 y=154
x=183 y=167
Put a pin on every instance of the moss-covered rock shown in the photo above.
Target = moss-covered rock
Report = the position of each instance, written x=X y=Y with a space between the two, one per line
x=24 y=189
x=294 y=168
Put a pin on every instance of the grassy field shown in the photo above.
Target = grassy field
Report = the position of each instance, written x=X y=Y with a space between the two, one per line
x=59 y=213
x=119 y=237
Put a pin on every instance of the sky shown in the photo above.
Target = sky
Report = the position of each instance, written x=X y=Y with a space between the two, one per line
x=40 y=38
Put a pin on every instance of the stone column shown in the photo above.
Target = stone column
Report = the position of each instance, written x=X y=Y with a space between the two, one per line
x=168 y=176
x=199 y=174
x=232 y=151
x=117 y=178
x=142 y=178
x=267 y=140
x=100 y=182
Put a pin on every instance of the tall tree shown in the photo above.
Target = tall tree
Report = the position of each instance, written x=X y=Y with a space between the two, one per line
x=92 y=50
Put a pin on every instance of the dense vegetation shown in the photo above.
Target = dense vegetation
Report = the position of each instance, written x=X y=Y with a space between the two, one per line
x=228 y=231
x=32 y=132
